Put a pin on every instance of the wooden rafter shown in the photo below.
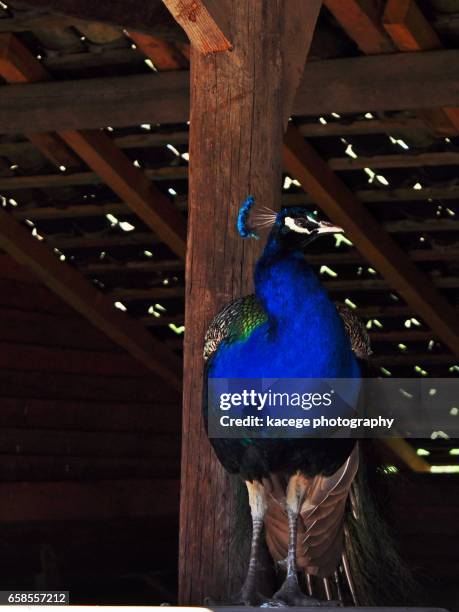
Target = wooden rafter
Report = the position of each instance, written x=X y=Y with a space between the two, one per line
x=420 y=80
x=402 y=27
x=204 y=23
x=361 y=19
x=70 y=285
x=410 y=31
x=340 y=204
x=104 y=157
x=408 y=28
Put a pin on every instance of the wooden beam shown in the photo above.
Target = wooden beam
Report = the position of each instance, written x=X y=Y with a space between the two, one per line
x=410 y=31
x=375 y=244
x=103 y=143
x=446 y=158
x=17 y=65
x=421 y=81
x=71 y=211
x=382 y=196
x=236 y=130
x=103 y=240
x=361 y=20
x=88 y=301
x=103 y=156
x=203 y=21
x=408 y=28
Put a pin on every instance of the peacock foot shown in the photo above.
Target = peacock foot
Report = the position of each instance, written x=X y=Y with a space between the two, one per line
x=290 y=594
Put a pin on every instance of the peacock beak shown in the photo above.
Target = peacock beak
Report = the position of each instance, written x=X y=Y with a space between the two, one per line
x=329 y=228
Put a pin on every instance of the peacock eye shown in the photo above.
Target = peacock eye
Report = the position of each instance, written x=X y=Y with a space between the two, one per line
x=300 y=222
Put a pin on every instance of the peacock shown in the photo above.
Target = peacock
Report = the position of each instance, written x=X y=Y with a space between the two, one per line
x=299 y=489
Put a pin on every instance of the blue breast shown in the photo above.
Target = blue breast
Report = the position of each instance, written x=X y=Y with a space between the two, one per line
x=303 y=337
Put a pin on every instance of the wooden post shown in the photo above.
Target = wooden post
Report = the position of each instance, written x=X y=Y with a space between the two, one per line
x=240 y=102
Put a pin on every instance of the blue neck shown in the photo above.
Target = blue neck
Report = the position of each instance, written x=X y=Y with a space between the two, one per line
x=286 y=285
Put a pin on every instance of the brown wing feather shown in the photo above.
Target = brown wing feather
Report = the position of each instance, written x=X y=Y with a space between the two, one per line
x=320 y=524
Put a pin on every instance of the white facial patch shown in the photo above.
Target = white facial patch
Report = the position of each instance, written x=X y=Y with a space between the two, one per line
x=290 y=223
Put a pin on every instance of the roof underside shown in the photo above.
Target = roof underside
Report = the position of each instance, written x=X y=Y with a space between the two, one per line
x=399 y=164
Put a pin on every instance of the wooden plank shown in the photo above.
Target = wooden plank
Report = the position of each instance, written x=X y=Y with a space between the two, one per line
x=23 y=384
x=236 y=130
x=38 y=468
x=102 y=240
x=411 y=31
x=69 y=211
x=114 y=416
x=17 y=65
x=421 y=81
x=412 y=359
x=361 y=20
x=446 y=158
x=56 y=443
x=109 y=163
x=46 y=329
x=167 y=173
x=203 y=21
x=153 y=293
x=375 y=244
x=102 y=500
x=133 y=267
x=69 y=360
x=88 y=301
x=403 y=335
x=27 y=297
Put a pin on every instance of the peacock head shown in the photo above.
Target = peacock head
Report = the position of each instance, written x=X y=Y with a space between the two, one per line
x=292 y=228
